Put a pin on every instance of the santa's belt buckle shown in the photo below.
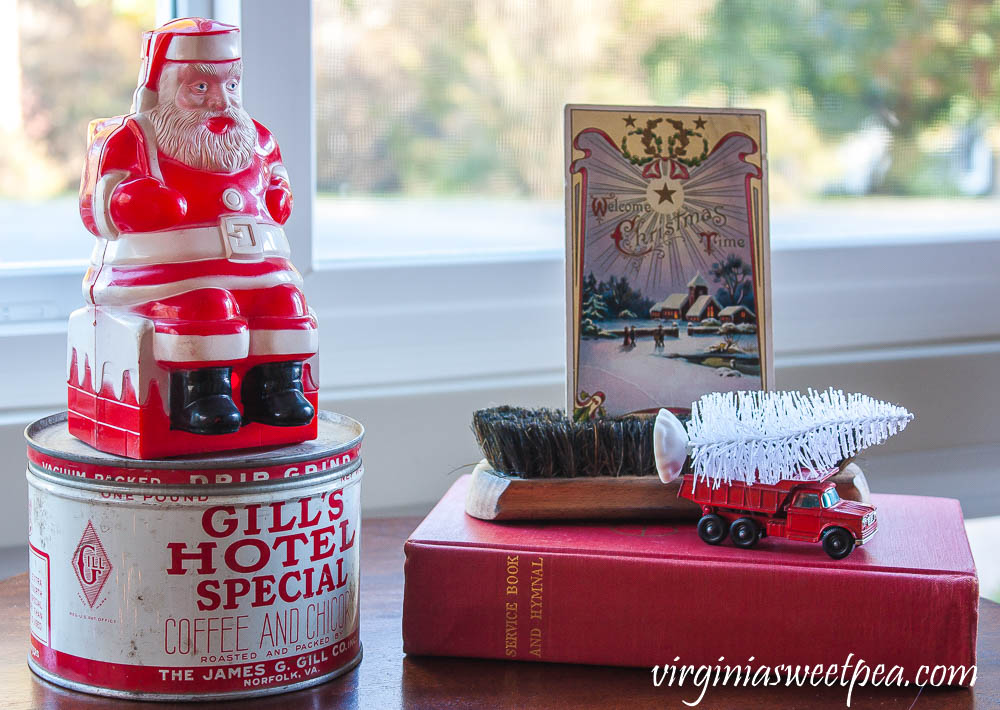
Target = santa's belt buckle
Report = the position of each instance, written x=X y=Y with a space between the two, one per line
x=241 y=239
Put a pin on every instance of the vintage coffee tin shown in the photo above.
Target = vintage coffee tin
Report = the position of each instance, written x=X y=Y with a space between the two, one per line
x=228 y=575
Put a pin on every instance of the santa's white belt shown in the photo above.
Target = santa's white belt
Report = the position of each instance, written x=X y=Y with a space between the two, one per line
x=236 y=237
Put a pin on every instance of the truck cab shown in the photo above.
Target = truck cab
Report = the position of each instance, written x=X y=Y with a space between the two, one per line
x=814 y=509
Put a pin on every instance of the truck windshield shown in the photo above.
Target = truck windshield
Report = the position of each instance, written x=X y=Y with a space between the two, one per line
x=831 y=498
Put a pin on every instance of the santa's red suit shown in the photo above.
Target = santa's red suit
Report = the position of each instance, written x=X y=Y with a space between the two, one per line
x=202 y=254
x=190 y=251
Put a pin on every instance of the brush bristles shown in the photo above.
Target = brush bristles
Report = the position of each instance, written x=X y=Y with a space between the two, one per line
x=545 y=443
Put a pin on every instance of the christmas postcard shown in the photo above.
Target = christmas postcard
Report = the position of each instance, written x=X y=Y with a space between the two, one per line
x=667 y=256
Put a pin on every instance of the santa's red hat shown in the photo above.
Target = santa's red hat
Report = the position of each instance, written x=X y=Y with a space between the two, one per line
x=189 y=39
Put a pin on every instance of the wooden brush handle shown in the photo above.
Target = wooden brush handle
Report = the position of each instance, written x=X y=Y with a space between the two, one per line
x=497 y=496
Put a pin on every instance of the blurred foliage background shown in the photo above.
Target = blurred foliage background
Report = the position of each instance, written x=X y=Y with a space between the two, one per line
x=464 y=97
x=863 y=96
x=66 y=63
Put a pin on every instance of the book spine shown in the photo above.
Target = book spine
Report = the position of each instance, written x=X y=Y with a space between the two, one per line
x=485 y=602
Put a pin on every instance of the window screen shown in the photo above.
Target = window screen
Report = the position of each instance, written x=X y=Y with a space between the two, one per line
x=453 y=97
x=64 y=63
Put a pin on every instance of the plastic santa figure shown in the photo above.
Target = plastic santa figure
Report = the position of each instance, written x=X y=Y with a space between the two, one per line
x=187 y=195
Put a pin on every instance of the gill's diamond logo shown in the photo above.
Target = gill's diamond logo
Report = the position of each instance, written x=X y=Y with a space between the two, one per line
x=91 y=564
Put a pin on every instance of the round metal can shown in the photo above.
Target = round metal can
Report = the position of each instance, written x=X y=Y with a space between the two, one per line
x=222 y=576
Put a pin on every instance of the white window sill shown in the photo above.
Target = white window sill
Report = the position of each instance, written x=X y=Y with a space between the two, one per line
x=353 y=231
x=407 y=297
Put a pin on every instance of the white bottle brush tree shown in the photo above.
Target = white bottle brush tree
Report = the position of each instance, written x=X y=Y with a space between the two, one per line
x=765 y=437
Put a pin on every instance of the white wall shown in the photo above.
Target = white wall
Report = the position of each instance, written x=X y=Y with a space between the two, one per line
x=411 y=353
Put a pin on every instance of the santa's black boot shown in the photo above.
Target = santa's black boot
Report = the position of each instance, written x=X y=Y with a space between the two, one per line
x=272 y=395
x=201 y=401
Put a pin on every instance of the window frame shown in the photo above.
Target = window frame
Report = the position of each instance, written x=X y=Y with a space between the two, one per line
x=503 y=313
x=411 y=346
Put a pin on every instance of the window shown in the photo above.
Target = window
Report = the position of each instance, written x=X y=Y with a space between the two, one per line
x=433 y=248
x=438 y=151
x=808 y=500
x=439 y=131
x=830 y=498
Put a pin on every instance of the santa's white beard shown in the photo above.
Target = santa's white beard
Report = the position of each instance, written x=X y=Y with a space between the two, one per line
x=182 y=135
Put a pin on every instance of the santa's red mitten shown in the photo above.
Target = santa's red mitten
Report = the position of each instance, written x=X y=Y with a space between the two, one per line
x=279 y=200
x=146 y=205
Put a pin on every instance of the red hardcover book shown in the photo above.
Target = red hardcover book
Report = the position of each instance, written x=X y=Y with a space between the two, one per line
x=644 y=594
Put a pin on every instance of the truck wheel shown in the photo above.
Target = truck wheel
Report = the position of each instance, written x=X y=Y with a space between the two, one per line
x=712 y=529
x=838 y=543
x=745 y=533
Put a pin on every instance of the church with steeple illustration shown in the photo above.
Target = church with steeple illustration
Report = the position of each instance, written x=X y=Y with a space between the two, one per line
x=694 y=306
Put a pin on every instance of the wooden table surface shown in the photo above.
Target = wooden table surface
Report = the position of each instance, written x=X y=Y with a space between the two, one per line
x=388 y=679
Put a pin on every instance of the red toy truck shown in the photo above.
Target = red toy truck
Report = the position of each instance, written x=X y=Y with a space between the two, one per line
x=810 y=511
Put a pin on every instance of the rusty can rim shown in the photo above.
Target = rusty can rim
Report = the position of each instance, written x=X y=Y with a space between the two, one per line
x=54 y=480
x=50 y=444
x=222 y=459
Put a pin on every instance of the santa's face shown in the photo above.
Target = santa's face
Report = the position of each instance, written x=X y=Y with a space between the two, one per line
x=199 y=119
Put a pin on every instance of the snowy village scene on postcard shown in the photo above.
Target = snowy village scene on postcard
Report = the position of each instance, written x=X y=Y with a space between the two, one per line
x=667 y=257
